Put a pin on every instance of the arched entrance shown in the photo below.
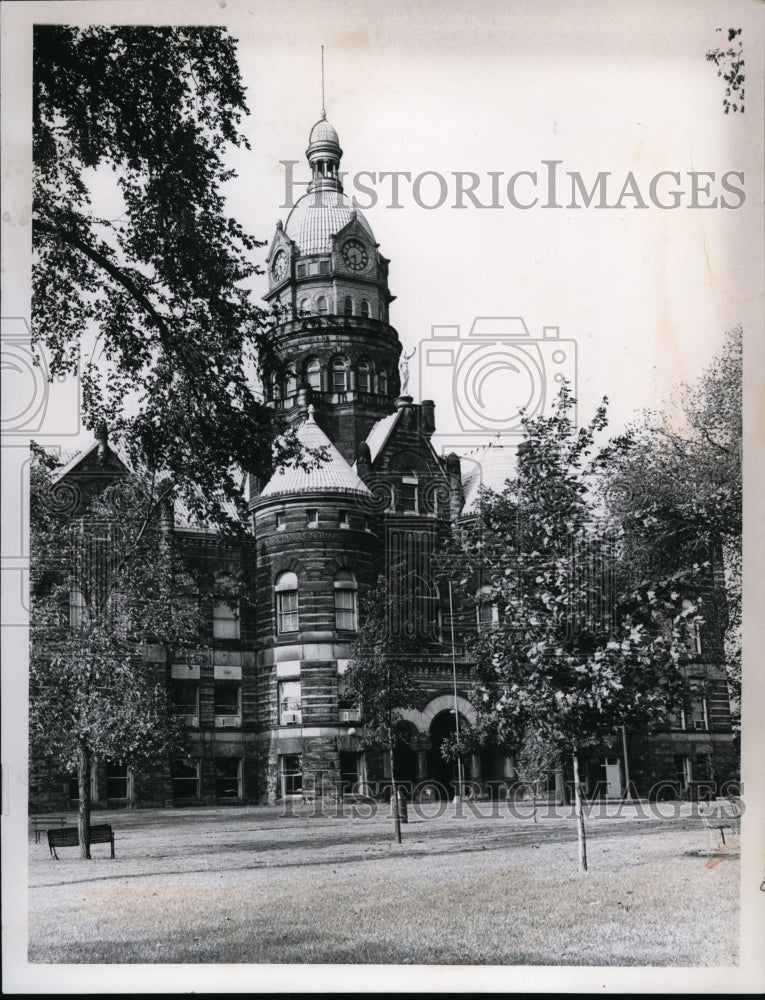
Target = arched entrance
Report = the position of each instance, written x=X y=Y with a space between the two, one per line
x=443 y=771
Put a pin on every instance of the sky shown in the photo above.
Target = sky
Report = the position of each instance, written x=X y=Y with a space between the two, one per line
x=641 y=296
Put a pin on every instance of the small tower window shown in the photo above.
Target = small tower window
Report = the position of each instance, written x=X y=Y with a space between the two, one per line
x=364 y=376
x=345 y=601
x=382 y=381
x=340 y=375
x=321 y=305
x=291 y=382
x=348 y=306
x=305 y=305
x=287 y=602
x=323 y=267
x=313 y=374
x=365 y=308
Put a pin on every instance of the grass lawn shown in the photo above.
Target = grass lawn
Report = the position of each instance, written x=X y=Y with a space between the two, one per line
x=245 y=885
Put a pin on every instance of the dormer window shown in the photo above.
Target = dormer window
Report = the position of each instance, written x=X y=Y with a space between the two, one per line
x=407 y=497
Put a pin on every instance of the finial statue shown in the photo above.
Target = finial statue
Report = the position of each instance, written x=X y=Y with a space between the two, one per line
x=403 y=370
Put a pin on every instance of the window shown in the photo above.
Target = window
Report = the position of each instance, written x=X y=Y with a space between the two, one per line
x=683 y=770
x=305 y=304
x=281 y=522
x=228 y=777
x=291 y=382
x=225 y=620
x=227 y=695
x=487 y=612
x=344 y=519
x=676 y=719
x=312 y=517
x=313 y=374
x=692 y=630
x=321 y=305
x=364 y=376
x=301 y=274
x=185 y=780
x=340 y=375
x=407 y=500
x=117 y=779
x=291 y=774
x=76 y=606
x=290 y=709
x=348 y=306
x=365 y=308
x=287 y=602
x=382 y=381
x=699 y=718
x=323 y=267
x=345 y=601
x=184 y=700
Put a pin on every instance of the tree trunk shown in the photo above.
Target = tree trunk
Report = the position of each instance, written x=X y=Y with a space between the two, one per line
x=83 y=818
x=579 y=815
x=394 y=793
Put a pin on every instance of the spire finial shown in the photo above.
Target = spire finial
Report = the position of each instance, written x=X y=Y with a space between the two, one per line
x=323 y=110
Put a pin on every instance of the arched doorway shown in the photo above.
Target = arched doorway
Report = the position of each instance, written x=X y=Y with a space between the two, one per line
x=443 y=771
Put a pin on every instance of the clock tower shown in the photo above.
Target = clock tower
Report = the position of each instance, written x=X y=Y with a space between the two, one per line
x=328 y=285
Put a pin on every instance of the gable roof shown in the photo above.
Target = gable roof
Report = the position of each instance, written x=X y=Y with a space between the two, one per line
x=332 y=476
x=82 y=457
x=381 y=431
x=489 y=467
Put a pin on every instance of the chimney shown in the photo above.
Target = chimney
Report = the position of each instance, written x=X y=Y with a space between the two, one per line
x=456 y=496
x=363 y=461
x=428 y=417
x=102 y=437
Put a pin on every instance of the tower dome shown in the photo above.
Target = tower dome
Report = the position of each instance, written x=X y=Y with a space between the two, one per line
x=318 y=216
x=323 y=132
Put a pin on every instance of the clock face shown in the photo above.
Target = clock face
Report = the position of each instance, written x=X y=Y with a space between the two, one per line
x=279 y=266
x=355 y=255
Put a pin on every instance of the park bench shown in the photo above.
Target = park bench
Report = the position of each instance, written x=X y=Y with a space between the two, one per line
x=69 y=836
x=40 y=823
x=721 y=818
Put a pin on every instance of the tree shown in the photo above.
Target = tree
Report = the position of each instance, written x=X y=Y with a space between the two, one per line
x=730 y=66
x=161 y=285
x=674 y=484
x=107 y=584
x=578 y=650
x=381 y=678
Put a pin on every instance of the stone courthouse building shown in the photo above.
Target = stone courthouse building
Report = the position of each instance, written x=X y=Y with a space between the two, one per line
x=266 y=710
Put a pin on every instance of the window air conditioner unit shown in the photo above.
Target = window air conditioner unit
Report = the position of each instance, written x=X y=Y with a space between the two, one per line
x=227 y=721
x=349 y=715
x=290 y=717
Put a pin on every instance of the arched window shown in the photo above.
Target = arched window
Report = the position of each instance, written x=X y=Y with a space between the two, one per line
x=364 y=376
x=305 y=307
x=348 y=306
x=291 y=382
x=365 y=308
x=340 y=374
x=487 y=612
x=382 y=381
x=345 y=601
x=313 y=374
x=276 y=389
x=321 y=305
x=286 y=602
